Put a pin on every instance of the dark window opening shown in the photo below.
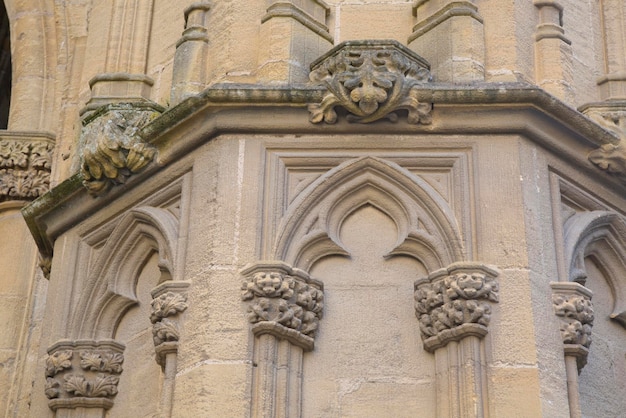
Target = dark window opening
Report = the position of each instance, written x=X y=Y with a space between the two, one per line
x=5 y=67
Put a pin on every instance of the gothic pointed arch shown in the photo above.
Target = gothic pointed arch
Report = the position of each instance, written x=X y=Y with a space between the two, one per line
x=600 y=235
x=110 y=288
x=427 y=228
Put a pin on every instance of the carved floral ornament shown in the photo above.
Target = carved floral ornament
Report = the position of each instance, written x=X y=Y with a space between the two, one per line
x=573 y=307
x=167 y=306
x=454 y=303
x=25 y=166
x=372 y=80
x=283 y=301
x=83 y=373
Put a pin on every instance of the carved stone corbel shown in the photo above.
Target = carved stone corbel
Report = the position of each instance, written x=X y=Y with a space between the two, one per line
x=371 y=80
x=284 y=308
x=611 y=116
x=112 y=150
x=454 y=306
x=83 y=374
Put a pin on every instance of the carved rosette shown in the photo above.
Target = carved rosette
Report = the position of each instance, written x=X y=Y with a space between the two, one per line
x=372 y=80
x=454 y=303
x=83 y=374
x=170 y=301
x=25 y=164
x=283 y=301
x=112 y=148
x=572 y=304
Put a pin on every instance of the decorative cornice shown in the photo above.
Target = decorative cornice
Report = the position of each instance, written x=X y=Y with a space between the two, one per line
x=372 y=80
x=283 y=301
x=169 y=301
x=83 y=373
x=112 y=149
x=453 y=303
x=572 y=304
x=25 y=165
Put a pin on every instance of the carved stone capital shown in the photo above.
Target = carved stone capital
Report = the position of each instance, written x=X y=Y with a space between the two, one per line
x=455 y=302
x=371 y=80
x=169 y=301
x=83 y=373
x=283 y=301
x=112 y=150
x=25 y=164
x=572 y=304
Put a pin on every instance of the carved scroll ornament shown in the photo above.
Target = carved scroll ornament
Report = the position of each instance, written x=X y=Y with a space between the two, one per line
x=112 y=149
x=284 y=302
x=83 y=374
x=455 y=302
x=372 y=80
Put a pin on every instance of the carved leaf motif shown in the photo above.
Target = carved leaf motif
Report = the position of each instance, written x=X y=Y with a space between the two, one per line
x=577 y=318
x=58 y=361
x=471 y=286
x=112 y=363
x=90 y=360
x=371 y=82
x=167 y=304
x=104 y=385
x=41 y=156
x=52 y=388
x=165 y=330
x=14 y=154
x=76 y=384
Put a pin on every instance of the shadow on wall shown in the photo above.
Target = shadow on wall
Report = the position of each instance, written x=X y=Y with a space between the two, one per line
x=5 y=67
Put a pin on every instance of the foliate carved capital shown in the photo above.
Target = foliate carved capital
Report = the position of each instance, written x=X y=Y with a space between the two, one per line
x=25 y=164
x=83 y=373
x=112 y=150
x=169 y=301
x=455 y=302
x=572 y=304
x=372 y=80
x=283 y=301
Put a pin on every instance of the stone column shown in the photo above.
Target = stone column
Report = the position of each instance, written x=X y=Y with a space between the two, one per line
x=284 y=308
x=168 y=303
x=450 y=35
x=572 y=304
x=612 y=83
x=453 y=306
x=124 y=78
x=82 y=377
x=190 y=59
x=553 y=51
x=293 y=33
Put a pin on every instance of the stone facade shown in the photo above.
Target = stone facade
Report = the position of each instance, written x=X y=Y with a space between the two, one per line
x=313 y=209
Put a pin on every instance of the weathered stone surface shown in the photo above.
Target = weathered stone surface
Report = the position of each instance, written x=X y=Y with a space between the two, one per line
x=214 y=146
